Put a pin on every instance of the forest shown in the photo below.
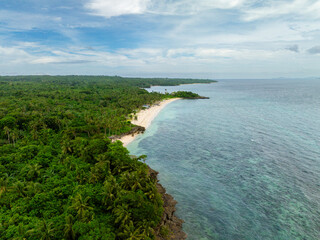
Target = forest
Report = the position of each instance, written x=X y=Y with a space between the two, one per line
x=61 y=177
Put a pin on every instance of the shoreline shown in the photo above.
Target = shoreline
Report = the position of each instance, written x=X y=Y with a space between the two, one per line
x=169 y=221
x=144 y=119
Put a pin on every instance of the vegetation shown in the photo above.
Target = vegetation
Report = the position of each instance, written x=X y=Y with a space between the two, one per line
x=61 y=177
x=186 y=94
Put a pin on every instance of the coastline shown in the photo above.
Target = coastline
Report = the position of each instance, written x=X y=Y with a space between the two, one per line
x=144 y=119
x=169 y=220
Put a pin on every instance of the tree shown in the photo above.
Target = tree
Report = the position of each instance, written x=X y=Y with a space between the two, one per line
x=33 y=188
x=122 y=215
x=34 y=171
x=20 y=188
x=69 y=233
x=130 y=232
x=14 y=136
x=7 y=132
x=82 y=207
x=110 y=190
x=4 y=184
x=44 y=230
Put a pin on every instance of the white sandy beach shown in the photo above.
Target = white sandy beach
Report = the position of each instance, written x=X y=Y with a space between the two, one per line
x=145 y=117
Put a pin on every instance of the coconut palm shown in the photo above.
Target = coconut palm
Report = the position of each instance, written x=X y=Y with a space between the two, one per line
x=33 y=188
x=14 y=136
x=7 y=132
x=110 y=190
x=21 y=233
x=122 y=215
x=130 y=232
x=34 y=171
x=69 y=233
x=46 y=230
x=43 y=231
x=20 y=188
x=4 y=184
x=82 y=207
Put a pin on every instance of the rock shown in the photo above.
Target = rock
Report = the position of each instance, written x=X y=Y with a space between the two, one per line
x=169 y=220
x=133 y=131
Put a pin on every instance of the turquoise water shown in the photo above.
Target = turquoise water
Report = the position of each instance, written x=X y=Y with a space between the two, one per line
x=244 y=164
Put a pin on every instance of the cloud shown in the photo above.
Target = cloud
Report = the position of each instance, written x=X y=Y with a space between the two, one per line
x=295 y=9
x=293 y=48
x=111 y=8
x=14 y=20
x=251 y=10
x=314 y=50
x=187 y=7
x=184 y=61
x=163 y=36
x=12 y=55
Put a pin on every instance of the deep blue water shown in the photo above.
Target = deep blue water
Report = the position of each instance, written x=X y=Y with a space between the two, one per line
x=244 y=164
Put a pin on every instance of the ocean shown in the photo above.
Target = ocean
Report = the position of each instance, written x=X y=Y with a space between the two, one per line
x=244 y=164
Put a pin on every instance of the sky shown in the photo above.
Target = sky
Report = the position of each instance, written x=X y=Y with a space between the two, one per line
x=213 y=39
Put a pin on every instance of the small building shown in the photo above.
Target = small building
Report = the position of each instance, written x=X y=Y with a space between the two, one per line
x=146 y=106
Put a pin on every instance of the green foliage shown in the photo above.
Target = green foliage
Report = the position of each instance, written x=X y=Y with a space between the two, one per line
x=185 y=94
x=61 y=177
x=165 y=232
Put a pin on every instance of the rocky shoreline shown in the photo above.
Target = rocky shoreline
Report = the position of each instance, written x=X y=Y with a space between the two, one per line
x=170 y=227
x=132 y=132
x=170 y=224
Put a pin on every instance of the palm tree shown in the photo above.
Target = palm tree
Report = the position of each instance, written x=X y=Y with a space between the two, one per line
x=110 y=190
x=129 y=232
x=34 y=171
x=7 y=132
x=4 y=184
x=130 y=181
x=33 y=188
x=43 y=231
x=47 y=230
x=20 y=188
x=69 y=233
x=122 y=214
x=21 y=233
x=82 y=207
x=34 y=129
x=14 y=136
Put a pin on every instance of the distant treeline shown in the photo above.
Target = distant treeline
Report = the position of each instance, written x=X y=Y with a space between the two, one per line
x=135 y=82
x=60 y=175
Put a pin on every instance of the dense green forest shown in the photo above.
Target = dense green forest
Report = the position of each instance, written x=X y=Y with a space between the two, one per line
x=186 y=95
x=61 y=177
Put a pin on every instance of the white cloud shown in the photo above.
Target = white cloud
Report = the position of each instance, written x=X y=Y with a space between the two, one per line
x=229 y=40
x=297 y=8
x=249 y=9
x=206 y=62
x=11 y=55
x=187 y=7
x=111 y=8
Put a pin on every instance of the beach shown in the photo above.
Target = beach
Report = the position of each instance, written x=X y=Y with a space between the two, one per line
x=145 y=117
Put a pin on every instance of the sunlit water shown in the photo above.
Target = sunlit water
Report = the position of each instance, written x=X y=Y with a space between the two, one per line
x=244 y=164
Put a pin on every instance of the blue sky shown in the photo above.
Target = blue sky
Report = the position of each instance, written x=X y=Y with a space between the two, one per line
x=161 y=38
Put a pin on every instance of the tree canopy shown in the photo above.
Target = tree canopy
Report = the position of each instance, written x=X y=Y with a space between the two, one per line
x=61 y=177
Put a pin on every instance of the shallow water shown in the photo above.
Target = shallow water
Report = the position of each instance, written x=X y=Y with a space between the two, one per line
x=244 y=164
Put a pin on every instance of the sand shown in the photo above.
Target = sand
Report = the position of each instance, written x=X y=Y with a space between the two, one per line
x=145 y=117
